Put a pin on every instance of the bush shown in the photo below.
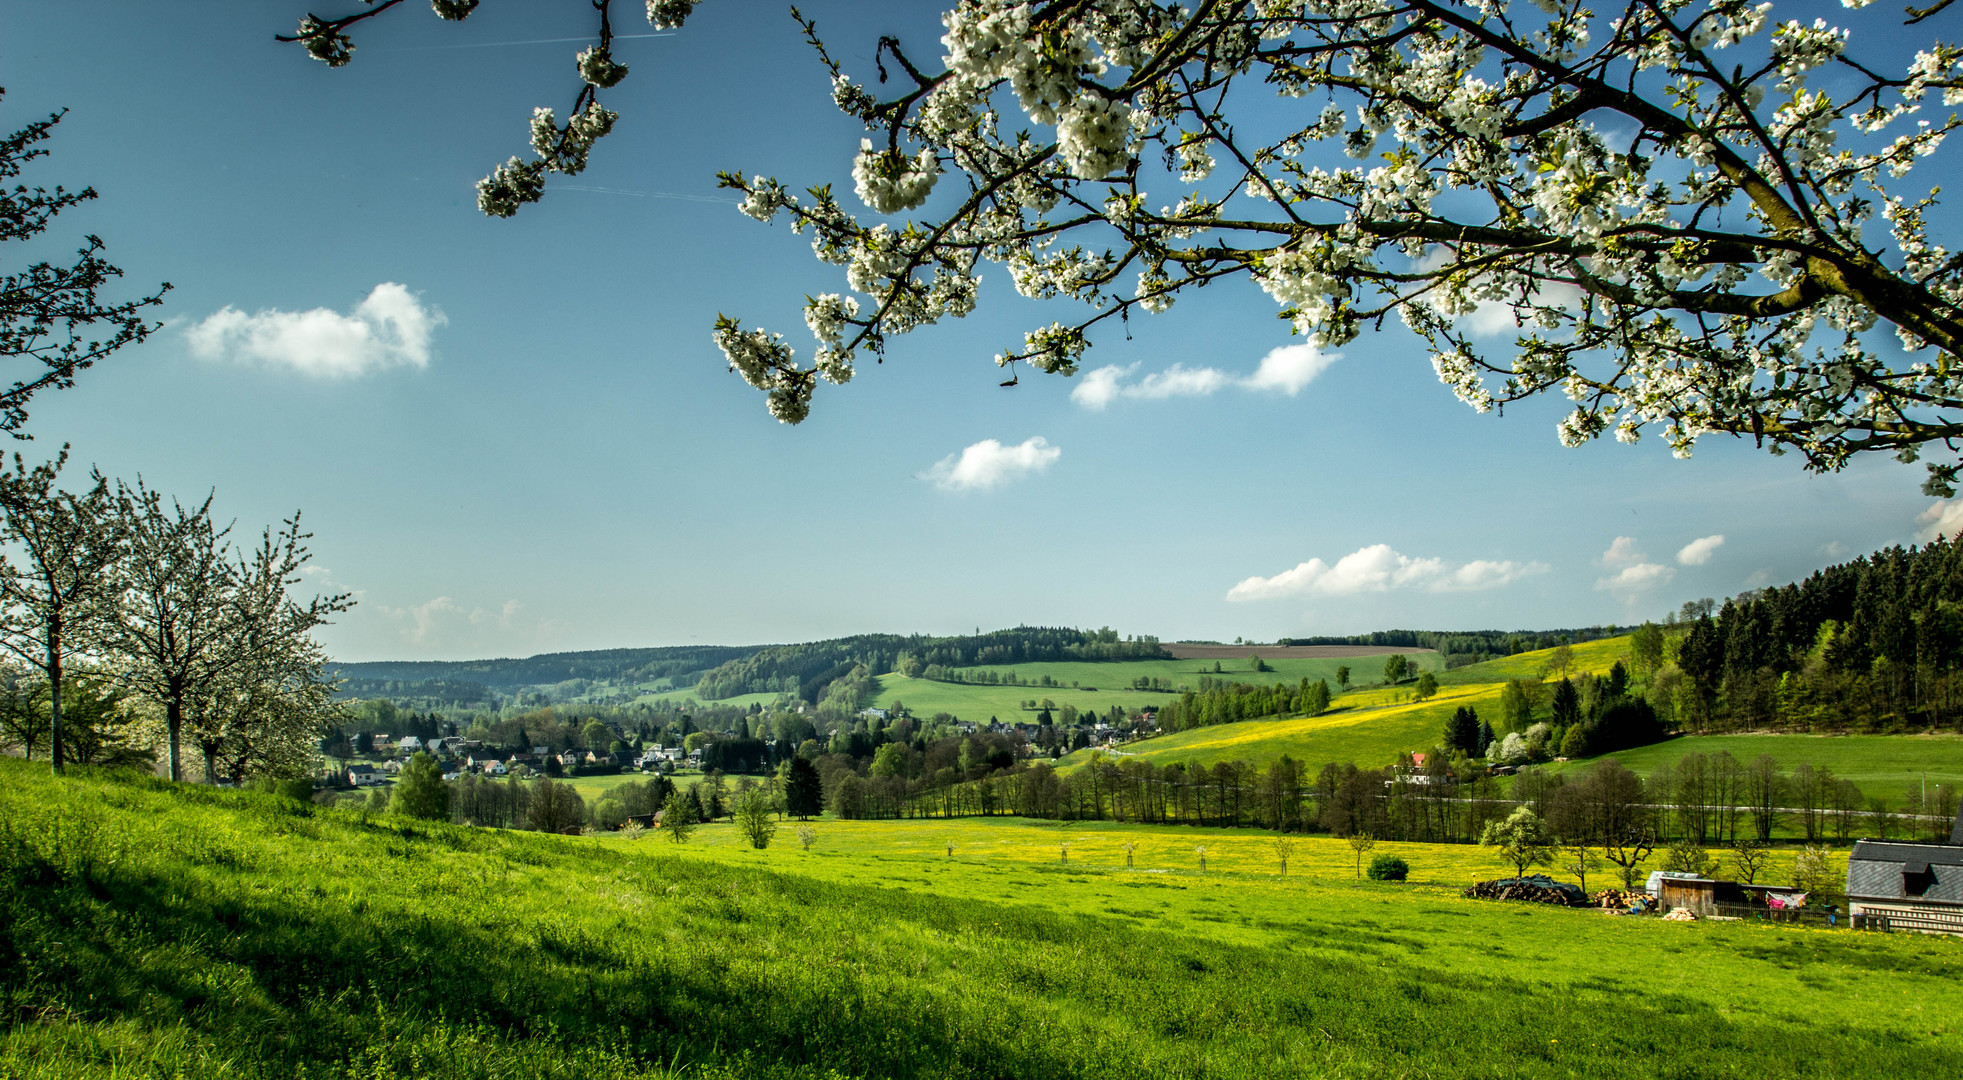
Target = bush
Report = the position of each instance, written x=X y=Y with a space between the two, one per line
x=609 y=813
x=1389 y=868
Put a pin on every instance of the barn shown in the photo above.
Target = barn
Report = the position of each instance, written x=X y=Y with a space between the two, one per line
x=1910 y=886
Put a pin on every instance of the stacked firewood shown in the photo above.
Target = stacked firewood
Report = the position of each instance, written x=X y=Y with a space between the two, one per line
x=1536 y=889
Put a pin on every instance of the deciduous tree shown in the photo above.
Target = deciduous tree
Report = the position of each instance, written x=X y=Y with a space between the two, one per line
x=755 y=814
x=1522 y=839
x=57 y=573
x=54 y=320
x=1693 y=215
x=420 y=793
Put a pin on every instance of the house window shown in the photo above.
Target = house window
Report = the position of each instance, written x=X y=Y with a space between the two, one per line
x=1917 y=877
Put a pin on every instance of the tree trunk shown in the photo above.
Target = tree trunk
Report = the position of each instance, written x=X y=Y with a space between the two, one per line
x=54 y=687
x=174 y=725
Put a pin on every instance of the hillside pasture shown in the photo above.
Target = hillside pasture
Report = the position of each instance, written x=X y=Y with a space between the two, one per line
x=153 y=930
x=1883 y=766
x=1592 y=657
x=1361 y=734
x=977 y=702
x=1190 y=650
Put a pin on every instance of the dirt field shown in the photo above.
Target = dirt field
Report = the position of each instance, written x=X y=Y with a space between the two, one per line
x=1183 y=651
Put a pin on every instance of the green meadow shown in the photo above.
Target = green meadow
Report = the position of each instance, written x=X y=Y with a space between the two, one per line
x=1112 y=683
x=1884 y=766
x=1096 y=685
x=148 y=930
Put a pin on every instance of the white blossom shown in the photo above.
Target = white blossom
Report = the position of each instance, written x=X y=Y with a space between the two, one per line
x=889 y=181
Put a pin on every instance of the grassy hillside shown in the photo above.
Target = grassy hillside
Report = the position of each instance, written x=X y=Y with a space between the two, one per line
x=155 y=931
x=1589 y=656
x=1885 y=766
x=1369 y=735
x=1368 y=727
x=1112 y=680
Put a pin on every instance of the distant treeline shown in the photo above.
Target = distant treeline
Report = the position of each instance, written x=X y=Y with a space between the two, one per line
x=1871 y=644
x=806 y=670
x=679 y=663
x=1465 y=642
x=431 y=691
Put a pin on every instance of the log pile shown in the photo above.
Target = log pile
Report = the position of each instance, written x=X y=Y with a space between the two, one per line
x=1680 y=915
x=1617 y=898
x=1536 y=889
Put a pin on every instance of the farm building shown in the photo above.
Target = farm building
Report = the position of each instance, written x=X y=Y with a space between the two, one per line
x=1913 y=886
x=1707 y=896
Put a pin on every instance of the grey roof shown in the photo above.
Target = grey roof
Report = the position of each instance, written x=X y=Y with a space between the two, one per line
x=1875 y=869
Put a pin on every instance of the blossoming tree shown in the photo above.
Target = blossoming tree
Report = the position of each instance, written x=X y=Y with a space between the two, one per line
x=1673 y=202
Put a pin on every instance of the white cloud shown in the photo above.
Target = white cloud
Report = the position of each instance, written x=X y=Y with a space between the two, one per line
x=1833 y=549
x=1178 y=381
x=1285 y=370
x=1379 y=568
x=1640 y=577
x=1622 y=553
x=1097 y=388
x=391 y=328
x=442 y=619
x=1944 y=519
x=1634 y=573
x=1289 y=368
x=989 y=464
x=1699 y=551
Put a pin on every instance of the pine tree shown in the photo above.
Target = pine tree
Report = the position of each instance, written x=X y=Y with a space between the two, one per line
x=804 y=794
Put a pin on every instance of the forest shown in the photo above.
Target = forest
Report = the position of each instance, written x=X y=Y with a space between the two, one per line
x=1873 y=644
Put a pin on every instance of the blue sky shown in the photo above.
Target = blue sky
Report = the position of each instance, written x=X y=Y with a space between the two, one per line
x=558 y=459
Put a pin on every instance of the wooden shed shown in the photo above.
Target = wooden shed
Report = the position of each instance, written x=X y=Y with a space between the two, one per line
x=1706 y=897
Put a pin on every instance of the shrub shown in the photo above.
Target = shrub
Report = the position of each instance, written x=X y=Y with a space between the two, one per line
x=609 y=813
x=1389 y=868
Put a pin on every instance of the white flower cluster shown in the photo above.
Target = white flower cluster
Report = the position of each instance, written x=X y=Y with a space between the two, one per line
x=510 y=186
x=826 y=315
x=766 y=197
x=1091 y=135
x=1797 y=49
x=1941 y=66
x=669 y=14
x=453 y=10
x=765 y=362
x=597 y=67
x=566 y=149
x=1053 y=350
x=888 y=181
x=1309 y=282
x=330 y=47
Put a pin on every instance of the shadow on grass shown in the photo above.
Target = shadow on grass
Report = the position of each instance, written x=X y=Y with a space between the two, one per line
x=276 y=965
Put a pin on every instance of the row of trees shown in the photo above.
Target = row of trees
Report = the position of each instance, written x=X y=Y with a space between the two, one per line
x=152 y=599
x=1230 y=702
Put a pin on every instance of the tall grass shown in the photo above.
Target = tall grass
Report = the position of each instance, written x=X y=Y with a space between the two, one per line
x=152 y=930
